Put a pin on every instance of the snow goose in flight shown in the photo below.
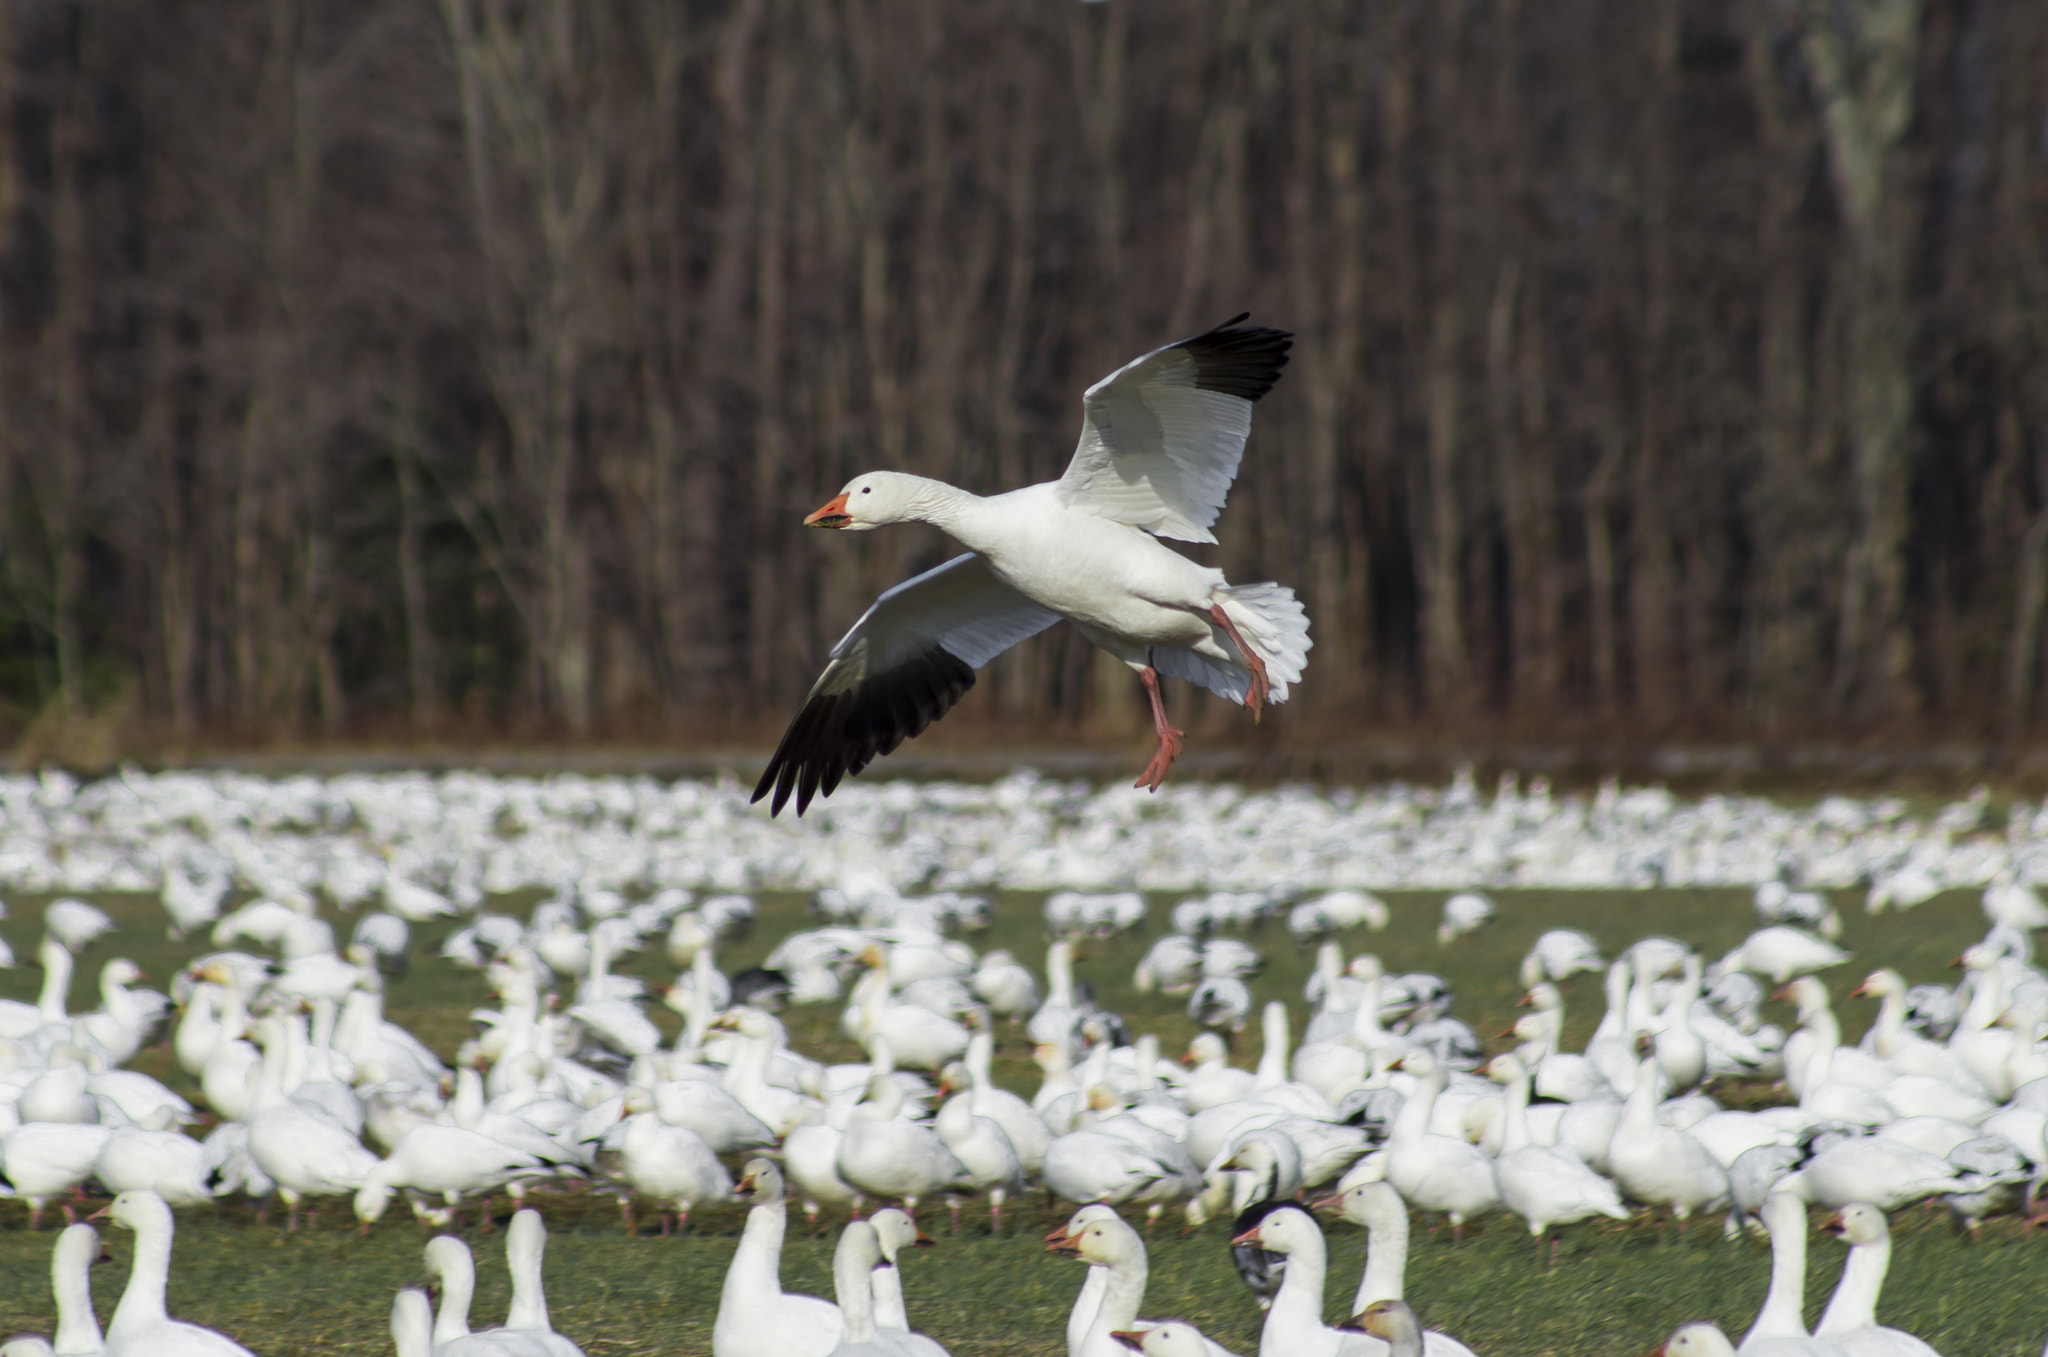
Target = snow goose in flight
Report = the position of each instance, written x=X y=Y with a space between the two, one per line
x=1160 y=444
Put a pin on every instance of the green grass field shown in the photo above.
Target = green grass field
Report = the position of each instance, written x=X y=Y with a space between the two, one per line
x=1616 y=1288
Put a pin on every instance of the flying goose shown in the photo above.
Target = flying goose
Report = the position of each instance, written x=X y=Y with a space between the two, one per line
x=1160 y=444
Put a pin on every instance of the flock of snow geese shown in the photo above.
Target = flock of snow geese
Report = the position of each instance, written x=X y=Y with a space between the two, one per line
x=1385 y=1105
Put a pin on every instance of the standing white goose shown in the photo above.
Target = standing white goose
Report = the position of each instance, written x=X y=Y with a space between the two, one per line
x=1160 y=445
x=853 y=1265
x=305 y=1152
x=1780 y=1327
x=526 y=1240
x=1437 y=1172
x=1115 y=1286
x=884 y=1156
x=1377 y=1207
x=449 y=1162
x=895 y=1231
x=667 y=1164
x=1661 y=1165
x=985 y=1151
x=1543 y=1184
x=756 y=1317
x=78 y=1330
x=1294 y=1323
x=1027 y=1131
x=141 y=1327
x=412 y=1323
x=1850 y=1321
x=448 y=1260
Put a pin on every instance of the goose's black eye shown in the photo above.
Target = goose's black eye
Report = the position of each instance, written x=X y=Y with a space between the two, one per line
x=867 y=490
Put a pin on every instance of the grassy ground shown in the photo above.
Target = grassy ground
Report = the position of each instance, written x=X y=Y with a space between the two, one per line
x=1615 y=1289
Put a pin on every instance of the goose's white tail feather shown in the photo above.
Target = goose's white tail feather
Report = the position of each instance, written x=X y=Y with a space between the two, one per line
x=1271 y=619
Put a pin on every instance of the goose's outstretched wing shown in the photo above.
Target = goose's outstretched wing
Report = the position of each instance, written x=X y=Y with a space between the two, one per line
x=1162 y=435
x=903 y=666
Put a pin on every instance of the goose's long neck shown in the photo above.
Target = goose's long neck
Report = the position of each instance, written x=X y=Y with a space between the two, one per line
x=850 y=1271
x=270 y=1079
x=78 y=1330
x=1386 y=1257
x=412 y=1325
x=1273 y=1060
x=529 y=1308
x=142 y=1304
x=1784 y=1311
x=1641 y=1111
x=1300 y=1300
x=953 y=511
x=324 y=1013
x=979 y=1049
x=1411 y=1123
x=1987 y=1000
x=56 y=983
x=1059 y=977
x=1825 y=1027
x=467 y=1106
x=458 y=1285
x=1891 y=1021
x=234 y=1011
x=1516 y=1133
x=295 y=1052
x=886 y=1288
x=1854 y=1304
x=114 y=997
x=1086 y=1306
x=1123 y=1292
x=757 y=1263
x=1365 y=1020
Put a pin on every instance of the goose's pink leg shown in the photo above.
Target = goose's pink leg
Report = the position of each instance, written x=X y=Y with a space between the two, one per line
x=1256 y=698
x=1169 y=738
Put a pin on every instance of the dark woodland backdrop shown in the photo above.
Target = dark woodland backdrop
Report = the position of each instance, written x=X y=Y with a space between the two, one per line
x=1663 y=365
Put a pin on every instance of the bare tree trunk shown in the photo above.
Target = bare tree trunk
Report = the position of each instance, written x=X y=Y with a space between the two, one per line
x=1862 y=56
x=1653 y=592
x=64 y=341
x=1446 y=661
x=536 y=127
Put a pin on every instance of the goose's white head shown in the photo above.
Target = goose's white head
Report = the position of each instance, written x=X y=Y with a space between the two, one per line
x=872 y=501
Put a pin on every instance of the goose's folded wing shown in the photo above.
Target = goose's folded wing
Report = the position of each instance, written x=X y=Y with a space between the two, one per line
x=903 y=666
x=1162 y=436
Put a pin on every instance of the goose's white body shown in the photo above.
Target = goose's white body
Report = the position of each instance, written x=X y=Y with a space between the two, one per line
x=1661 y=1165
x=525 y=1242
x=1780 y=1327
x=884 y=1156
x=894 y=1232
x=756 y=1317
x=449 y=1260
x=1159 y=448
x=1542 y=1184
x=1377 y=1207
x=1437 y=1172
x=447 y=1161
x=1850 y=1321
x=141 y=1327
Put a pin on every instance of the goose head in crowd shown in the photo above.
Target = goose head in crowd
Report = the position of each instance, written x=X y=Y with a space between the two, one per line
x=1697 y=1340
x=1393 y=1323
x=1172 y=1339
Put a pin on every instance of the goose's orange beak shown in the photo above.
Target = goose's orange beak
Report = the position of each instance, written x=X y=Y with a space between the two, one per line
x=833 y=515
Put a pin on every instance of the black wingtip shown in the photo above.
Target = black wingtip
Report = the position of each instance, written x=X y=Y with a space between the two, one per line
x=836 y=735
x=1239 y=360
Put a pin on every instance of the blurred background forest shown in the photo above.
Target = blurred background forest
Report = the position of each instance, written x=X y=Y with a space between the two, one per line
x=462 y=368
